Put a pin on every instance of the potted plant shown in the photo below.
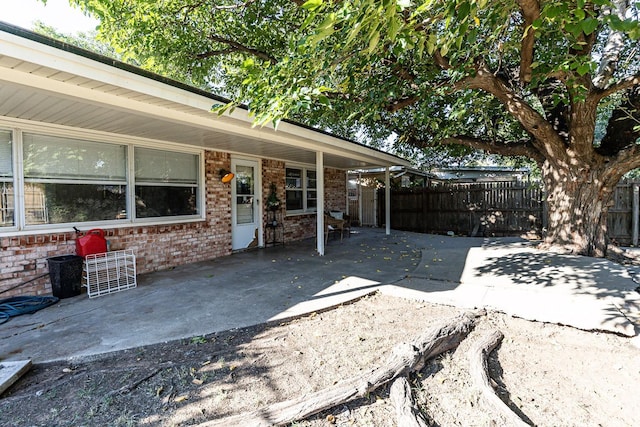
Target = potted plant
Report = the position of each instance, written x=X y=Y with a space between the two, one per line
x=273 y=202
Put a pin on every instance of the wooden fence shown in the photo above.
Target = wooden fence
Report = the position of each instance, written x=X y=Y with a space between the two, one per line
x=495 y=209
x=622 y=222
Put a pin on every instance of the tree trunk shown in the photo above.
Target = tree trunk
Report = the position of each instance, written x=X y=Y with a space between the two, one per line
x=578 y=200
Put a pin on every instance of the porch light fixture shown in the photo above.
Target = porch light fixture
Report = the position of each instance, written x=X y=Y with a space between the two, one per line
x=226 y=176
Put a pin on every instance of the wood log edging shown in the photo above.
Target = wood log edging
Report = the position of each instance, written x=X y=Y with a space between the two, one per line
x=404 y=359
x=479 y=371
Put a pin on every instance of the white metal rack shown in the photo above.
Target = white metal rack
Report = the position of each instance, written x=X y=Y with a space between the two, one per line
x=109 y=272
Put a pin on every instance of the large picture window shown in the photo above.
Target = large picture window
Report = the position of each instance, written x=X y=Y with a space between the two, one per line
x=301 y=190
x=70 y=181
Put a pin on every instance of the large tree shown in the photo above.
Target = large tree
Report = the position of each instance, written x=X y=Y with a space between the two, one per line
x=513 y=77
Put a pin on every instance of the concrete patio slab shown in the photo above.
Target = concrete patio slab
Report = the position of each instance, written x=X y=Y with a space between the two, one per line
x=519 y=280
x=276 y=283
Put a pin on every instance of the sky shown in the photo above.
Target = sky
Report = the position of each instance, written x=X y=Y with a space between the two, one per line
x=56 y=13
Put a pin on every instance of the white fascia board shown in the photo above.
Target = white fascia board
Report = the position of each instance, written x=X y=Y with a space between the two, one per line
x=286 y=133
x=323 y=141
x=68 y=62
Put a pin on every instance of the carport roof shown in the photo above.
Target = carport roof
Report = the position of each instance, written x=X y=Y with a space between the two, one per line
x=62 y=86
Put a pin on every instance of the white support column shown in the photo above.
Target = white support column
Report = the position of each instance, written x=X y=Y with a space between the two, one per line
x=387 y=200
x=635 y=211
x=320 y=200
x=346 y=190
x=359 y=199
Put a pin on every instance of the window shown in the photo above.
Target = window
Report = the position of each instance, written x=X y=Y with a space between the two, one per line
x=69 y=181
x=66 y=180
x=166 y=183
x=7 y=202
x=301 y=190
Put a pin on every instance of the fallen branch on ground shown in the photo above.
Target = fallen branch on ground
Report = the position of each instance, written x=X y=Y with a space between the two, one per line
x=407 y=412
x=479 y=371
x=404 y=359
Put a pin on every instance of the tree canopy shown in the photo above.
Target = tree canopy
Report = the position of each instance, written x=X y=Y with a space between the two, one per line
x=527 y=78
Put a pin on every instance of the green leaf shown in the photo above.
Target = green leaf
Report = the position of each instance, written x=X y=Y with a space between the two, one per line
x=355 y=29
x=431 y=47
x=444 y=50
x=463 y=11
x=329 y=21
x=324 y=100
x=373 y=42
x=420 y=47
x=312 y=4
x=589 y=25
x=394 y=27
x=583 y=69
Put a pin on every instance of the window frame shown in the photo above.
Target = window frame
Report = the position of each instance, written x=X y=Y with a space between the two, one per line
x=305 y=189
x=19 y=182
x=8 y=181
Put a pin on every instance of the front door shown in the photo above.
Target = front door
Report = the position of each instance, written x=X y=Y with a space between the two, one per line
x=245 y=209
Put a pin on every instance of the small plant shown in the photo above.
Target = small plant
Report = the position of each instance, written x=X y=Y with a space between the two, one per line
x=198 y=340
x=273 y=202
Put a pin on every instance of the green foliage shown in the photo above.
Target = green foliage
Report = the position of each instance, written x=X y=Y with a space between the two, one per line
x=84 y=40
x=346 y=65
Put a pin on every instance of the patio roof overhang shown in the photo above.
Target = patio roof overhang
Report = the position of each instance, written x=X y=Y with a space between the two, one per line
x=61 y=86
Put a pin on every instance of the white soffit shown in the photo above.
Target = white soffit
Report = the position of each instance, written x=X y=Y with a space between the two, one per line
x=44 y=84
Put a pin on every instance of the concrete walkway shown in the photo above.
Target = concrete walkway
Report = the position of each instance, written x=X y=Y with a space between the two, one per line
x=275 y=283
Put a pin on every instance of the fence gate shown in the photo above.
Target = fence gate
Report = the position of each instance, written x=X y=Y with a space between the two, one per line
x=368 y=206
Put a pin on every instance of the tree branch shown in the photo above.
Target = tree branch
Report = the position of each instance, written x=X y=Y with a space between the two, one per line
x=213 y=53
x=408 y=413
x=613 y=47
x=557 y=113
x=440 y=60
x=623 y=128
x=401 y=103
x=626 y=160
x=545 y=139
x=624 y=84
x=404 y=358
x=479 y=371
x=234 y=6
x=530 y=11
x=238 y=47
x=516 y=148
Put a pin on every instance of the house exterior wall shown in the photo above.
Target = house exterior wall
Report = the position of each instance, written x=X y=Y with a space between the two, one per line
x=157 y=247
x=303 y=226
x=335 y=185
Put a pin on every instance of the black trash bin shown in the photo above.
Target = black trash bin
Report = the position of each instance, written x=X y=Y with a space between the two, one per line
x=65 y=272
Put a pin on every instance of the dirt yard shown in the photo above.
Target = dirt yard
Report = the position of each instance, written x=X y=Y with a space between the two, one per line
x=550 y=375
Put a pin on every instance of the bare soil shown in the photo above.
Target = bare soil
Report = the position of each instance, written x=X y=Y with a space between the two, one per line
x=550 y=375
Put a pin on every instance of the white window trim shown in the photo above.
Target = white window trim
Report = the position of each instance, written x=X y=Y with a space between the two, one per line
x=305 y=209
x=21 y=228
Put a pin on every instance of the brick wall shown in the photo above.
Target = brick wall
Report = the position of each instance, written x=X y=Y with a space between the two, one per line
x=24 y=259
x=158 y=247
x=335 y=194
x=302 y=226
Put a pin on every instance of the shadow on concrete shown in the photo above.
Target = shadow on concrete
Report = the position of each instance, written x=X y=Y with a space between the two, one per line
x=261 y=285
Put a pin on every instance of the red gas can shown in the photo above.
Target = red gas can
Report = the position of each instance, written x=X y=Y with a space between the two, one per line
x=91 y=243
